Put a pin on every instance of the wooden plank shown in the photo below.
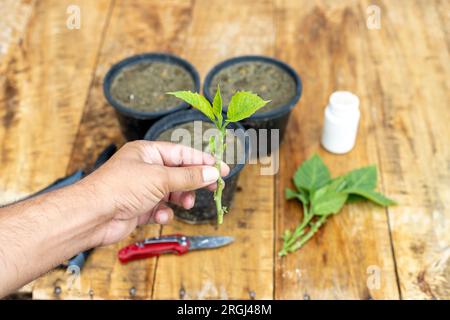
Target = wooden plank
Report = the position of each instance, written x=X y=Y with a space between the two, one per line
x=15 y=18
x=39 y=111
x=400 y=73
x=135 y=27
x=410 y=79
x=243 y=270
x=240 y=28
x=324 y=42
x=40 y=104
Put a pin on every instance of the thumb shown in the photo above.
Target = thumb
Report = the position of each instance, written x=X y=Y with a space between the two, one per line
x=190 y=178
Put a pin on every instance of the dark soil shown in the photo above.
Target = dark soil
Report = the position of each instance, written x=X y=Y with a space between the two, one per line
x=265 y=79
x=143 y=86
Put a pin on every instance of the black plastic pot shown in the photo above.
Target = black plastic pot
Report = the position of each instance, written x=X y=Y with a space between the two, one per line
x=135 y=123
x=204 y=210
x=273 y=119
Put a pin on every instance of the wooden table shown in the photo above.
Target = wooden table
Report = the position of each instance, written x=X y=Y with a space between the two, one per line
x=54 y=120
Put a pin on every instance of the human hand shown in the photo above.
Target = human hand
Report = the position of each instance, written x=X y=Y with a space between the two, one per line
x=133 y=187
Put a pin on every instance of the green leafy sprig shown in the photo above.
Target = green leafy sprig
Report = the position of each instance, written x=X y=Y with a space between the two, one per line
x=321 y=197
x=242 y=105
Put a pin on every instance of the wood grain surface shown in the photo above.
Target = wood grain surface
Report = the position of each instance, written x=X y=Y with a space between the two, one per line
x=54 y=120
x=338 y=261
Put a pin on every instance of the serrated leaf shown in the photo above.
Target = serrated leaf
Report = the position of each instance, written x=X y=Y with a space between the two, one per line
x=372 y=195
x=196 y=100
x=243 y=104
x=365 y=178
x=312 y=174
x=217 y=105
x=327 y=201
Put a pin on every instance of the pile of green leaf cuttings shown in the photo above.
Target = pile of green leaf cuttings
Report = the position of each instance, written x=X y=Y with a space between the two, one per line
x=321 y=197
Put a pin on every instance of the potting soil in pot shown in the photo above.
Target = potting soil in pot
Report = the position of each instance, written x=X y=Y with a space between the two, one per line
x=143 y=86
x=265 y=79
x=204 y=209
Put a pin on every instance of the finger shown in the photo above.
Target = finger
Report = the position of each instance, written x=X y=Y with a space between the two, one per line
x=163 y=214
x=149 y=217
x=175 y=155
x=213 y=186
x=160 y=214
x=184 y=199
x=146 y=218
x=224 y=169
x=190 y=178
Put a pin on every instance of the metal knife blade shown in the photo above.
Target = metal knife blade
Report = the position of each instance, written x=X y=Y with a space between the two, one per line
x=208 y=242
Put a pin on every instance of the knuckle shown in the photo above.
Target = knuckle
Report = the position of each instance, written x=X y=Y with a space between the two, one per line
x=138 y=145
x=140 y=148
x=131 y=145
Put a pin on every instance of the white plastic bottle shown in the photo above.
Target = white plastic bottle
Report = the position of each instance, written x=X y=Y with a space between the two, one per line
x=341 y=122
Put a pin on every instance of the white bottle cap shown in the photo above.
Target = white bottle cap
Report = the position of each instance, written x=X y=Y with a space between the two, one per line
x=341 y=122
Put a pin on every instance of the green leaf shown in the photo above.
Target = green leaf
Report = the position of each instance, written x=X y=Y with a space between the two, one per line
x=197 y=101
x=312 y=174
x=243 y=104
x=352 y=198
x=217 y=105
x=372 y=195
x=365 y=178
x=338 y=184
x=327 y=201
x=291 y=194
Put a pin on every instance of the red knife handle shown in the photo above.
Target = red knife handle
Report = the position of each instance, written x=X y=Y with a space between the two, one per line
x=141 y=250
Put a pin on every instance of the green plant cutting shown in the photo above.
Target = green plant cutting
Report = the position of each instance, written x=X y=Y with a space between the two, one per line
x=322 y=197
x=242 y=105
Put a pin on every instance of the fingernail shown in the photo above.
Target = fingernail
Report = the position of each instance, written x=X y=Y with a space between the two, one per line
x=163 y=217
x=210 y=174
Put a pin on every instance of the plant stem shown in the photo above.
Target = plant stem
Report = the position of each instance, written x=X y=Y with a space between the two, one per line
x=307 y=216
x=298 y=232
x=218 y=155
x=314 y=228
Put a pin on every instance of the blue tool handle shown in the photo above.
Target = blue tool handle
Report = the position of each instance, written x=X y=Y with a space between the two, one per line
x=79 y=260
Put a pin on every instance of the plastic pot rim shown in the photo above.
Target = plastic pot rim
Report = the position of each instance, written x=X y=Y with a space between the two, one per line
x=274 y=113
x=151 y=56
